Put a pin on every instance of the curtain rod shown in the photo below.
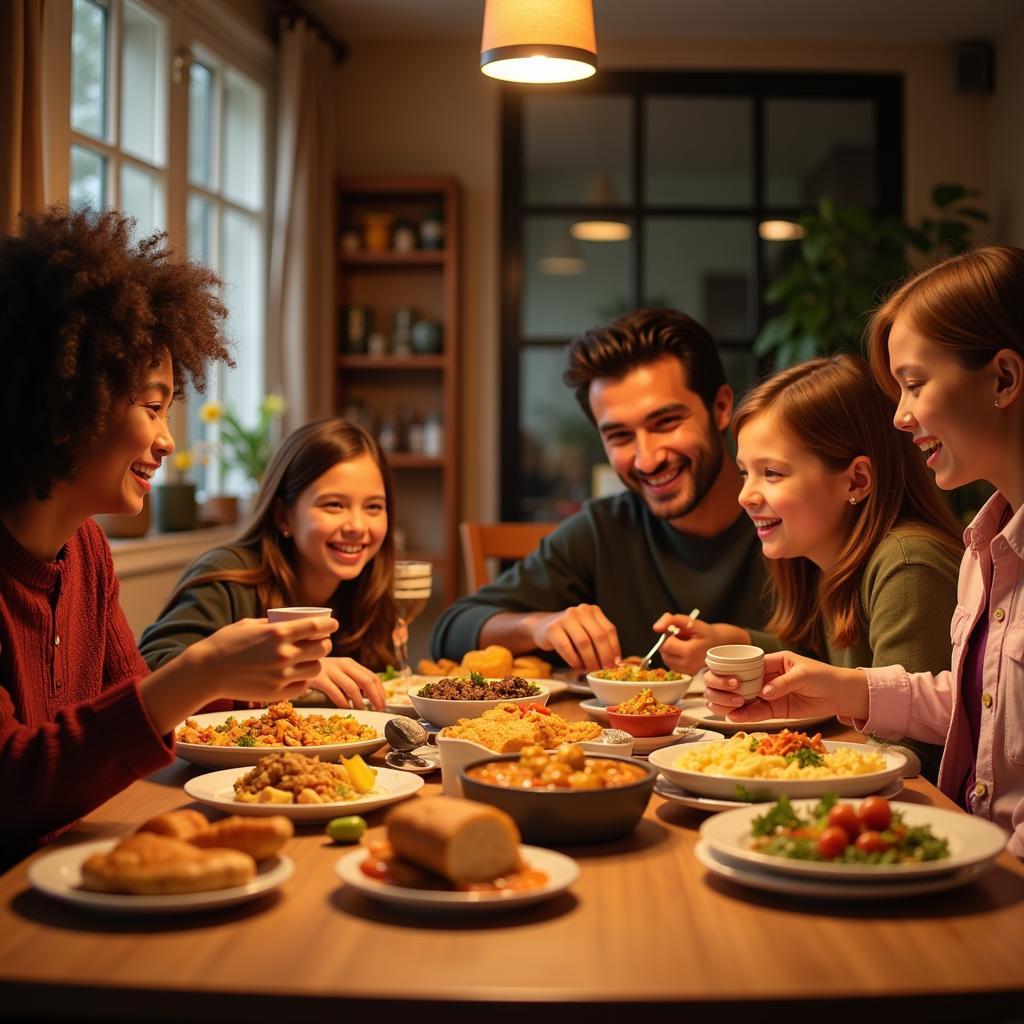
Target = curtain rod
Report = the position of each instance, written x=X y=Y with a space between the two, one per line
x=293 y=11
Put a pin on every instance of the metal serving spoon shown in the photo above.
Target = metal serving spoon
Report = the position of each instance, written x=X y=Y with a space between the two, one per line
x=671 y=631
x=403 y=735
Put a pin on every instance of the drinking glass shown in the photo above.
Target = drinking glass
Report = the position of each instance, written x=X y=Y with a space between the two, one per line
x=411 y=589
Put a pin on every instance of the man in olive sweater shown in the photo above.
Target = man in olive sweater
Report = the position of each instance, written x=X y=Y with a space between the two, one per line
x=611 y=577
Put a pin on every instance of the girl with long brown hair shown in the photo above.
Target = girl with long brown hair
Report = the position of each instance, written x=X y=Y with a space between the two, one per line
x=948 y=347
x=317 y=536
x=861 y=549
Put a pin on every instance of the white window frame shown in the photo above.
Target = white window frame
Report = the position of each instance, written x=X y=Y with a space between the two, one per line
x=199 y=28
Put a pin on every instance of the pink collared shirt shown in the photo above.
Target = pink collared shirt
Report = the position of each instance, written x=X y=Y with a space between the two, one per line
x=930 y=707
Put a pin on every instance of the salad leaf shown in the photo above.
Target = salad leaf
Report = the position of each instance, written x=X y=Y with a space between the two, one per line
x=779 y=815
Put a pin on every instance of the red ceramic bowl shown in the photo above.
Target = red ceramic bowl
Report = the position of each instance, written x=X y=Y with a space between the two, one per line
x=644 y=725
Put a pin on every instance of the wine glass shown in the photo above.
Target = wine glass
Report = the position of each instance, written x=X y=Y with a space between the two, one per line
x=411 y=589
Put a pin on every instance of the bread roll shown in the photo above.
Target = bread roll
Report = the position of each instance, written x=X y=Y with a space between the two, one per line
x=529 y=666
x=181 y=824
x=148 y=864
x=493 y=662
x=461 y=840
x=258 y=837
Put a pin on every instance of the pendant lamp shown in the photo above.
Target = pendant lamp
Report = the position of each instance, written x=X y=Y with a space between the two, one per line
x=562 y=258
x=601 y=229
x=538 y=41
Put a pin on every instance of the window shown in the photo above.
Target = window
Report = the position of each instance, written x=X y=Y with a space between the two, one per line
x=227 y=226
x=180 y=143
x=649 y=189
x=119 y=118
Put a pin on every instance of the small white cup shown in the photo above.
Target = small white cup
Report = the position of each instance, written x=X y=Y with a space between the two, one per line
x=287 y=614
x=741 y=661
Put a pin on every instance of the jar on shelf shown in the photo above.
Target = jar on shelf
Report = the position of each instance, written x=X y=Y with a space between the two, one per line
x=401 y=330
x=351 y=240
x=414 y=431
x=432 y=230
x=377 y=231
x=426 y=337
x=403 y=237
x=388 y=434
x=357 y=324
x=377 y=344
x=433 y=435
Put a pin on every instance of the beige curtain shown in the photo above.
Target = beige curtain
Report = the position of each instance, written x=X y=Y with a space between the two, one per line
x=21 y=109
x=302 y=317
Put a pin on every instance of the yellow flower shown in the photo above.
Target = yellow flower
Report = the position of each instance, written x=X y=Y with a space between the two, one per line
x=210 y=412
x=273 y=405
x=183 y=461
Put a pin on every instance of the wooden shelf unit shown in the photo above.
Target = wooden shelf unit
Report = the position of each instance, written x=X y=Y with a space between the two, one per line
x=427 y=280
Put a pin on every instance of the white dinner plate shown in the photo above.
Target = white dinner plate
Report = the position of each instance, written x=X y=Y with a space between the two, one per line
x=218 y=790
x=724 y=786
x=696 y=712
x=817 y=889
x=58 y=874
x=235 y=757
x=971 y=841
x=562 y=871
x=712 y=805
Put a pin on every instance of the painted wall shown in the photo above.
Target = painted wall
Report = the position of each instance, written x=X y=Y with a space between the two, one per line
x=1008 y=138
x=411 y=108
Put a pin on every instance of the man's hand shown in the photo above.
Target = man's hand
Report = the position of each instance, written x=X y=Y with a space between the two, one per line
x=582 y=636
x=687 y=651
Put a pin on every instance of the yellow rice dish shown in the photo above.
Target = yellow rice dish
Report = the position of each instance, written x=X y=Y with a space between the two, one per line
x=508 y=728
x=738 y=757
x=279 y=726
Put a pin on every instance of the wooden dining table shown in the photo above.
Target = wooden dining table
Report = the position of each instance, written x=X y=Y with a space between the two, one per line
x=645 y=928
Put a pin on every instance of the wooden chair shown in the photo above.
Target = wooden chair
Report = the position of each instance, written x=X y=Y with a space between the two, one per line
x=481 y=541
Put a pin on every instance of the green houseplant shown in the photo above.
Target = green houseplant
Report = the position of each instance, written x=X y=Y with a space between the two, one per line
x=240 y=447
x=846 y=256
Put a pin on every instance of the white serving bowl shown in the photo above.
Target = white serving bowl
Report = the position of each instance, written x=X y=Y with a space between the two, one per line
x=448 y=712
x=457 y=753
x=725 y=785
x=615 y=691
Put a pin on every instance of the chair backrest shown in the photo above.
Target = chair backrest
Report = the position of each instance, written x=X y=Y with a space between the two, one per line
x=481 y=541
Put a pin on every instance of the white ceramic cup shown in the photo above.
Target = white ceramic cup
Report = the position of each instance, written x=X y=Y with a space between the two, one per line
x=287 y=614
x=741 y=661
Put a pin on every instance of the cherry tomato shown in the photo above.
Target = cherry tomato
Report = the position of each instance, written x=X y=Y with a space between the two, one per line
x=833 y=841
x=871 y=842
x=845 y=817
x=875 y=813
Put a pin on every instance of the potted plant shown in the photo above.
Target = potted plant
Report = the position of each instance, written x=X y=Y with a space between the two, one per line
x=236 y=446
x=174 y=498
x=845 y=257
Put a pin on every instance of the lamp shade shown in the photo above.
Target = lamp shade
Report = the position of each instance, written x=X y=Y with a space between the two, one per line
x=601 y=229
x=538 y=40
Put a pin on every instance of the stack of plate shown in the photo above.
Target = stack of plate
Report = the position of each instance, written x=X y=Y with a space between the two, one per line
x=974 y=844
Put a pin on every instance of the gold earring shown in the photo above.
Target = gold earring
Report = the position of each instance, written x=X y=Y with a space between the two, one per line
x=853 y=500
x=285 y=533
x=997 y=403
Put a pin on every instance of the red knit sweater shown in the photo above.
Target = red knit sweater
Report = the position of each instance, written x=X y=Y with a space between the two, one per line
x=73 y=729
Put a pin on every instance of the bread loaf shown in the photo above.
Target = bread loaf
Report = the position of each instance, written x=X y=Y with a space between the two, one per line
x=181 y=824
x=148 y=864
x=461 y=840
x=258 y=837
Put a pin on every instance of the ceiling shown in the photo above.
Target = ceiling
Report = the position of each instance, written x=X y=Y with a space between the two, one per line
x=898 y=21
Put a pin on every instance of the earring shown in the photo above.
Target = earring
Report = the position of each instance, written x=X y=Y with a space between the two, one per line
x=285 y=533
x=853 y=500
x=997 y=403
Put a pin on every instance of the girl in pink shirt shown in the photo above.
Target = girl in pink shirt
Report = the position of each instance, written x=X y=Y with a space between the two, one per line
x=948 y=345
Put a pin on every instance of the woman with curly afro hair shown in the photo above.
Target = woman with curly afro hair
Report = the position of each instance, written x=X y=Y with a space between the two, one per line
x=98 y=335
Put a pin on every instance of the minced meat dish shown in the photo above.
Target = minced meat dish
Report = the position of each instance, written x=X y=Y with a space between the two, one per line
x=469 y=689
